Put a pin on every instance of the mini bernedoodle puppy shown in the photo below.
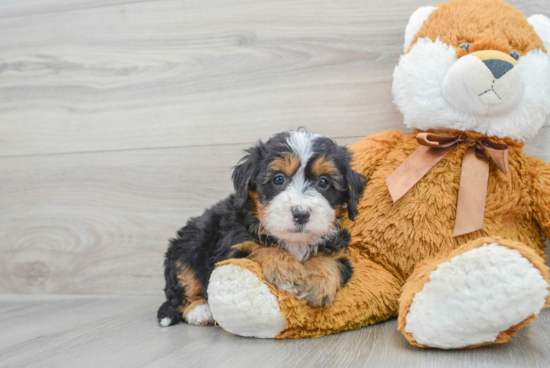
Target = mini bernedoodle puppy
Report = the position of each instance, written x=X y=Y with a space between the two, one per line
x=290 y=193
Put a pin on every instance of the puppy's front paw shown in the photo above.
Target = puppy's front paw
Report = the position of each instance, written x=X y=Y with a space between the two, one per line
x=281 y=269
x=243 y=250
x=319 y=293
x=323 y=280
x=288 y=277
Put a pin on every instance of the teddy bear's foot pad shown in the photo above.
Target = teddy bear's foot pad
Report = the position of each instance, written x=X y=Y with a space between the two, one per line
x=476 y=296
x=242 y=304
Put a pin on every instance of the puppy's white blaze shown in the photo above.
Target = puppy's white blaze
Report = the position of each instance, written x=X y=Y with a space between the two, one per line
x=165 y=322
x=418 y=92
x=301 y=142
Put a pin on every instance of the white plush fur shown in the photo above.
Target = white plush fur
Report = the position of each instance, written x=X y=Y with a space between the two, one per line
x=418 y=92
x=165 y=322
x=470 y=86
x=242 y=304
x=475 y=296
x=415 y=23
x=541 y=24
x=199 y=316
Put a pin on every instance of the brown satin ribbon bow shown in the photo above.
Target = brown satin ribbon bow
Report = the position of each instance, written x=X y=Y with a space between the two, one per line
x=474 y=177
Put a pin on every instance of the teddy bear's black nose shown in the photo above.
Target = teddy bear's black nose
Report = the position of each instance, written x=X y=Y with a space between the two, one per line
x=498 y=67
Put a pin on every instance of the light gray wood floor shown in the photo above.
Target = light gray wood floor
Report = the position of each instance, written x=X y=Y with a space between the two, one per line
x=120 y=119
x=110 y=331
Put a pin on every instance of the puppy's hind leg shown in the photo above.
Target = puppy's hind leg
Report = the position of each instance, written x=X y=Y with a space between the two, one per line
x=194 y=308
x=168 y=313
x=185 y=298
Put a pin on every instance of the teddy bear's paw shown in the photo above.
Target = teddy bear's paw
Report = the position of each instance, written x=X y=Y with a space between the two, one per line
x=242 y=304
x=478 y=297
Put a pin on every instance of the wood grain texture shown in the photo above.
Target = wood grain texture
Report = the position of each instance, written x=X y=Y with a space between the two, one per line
x=149 y=74
x=96 y=331
x=186 y=73
x=85 y=223
x=100 y=222
x=119 y=119
x=25 y=8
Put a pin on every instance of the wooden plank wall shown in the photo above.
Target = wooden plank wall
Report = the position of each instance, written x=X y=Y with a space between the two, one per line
x=121 y=119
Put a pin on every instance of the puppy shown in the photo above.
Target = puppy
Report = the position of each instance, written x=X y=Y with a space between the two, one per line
x=290 y=193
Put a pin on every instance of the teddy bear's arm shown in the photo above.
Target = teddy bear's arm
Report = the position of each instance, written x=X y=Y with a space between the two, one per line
x=540 y=171
x=370 y=150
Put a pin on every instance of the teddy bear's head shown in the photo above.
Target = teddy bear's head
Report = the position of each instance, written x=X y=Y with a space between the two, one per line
x=475 y=65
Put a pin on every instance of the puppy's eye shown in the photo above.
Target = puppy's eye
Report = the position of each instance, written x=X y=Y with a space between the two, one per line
x=515 y=54
x=279 y=180
x=323 y=183
x=464 y=46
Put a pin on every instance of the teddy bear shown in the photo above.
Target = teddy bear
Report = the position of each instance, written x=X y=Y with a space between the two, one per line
x=450 y=231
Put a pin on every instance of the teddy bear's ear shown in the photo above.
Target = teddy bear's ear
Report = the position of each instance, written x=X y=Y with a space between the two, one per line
x=415 y=23
x=541 y=24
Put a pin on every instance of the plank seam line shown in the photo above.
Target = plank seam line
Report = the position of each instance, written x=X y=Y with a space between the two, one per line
x=143 y=149
x=129 y=2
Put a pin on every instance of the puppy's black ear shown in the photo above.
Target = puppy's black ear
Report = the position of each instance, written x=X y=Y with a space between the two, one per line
x=355 y=186
x=244 y=173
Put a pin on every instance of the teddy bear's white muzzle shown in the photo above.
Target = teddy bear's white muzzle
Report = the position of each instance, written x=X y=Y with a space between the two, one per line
x=484 y=87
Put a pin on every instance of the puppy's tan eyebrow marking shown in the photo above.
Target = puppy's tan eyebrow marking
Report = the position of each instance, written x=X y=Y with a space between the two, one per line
x=323 y=166
x=288 y=164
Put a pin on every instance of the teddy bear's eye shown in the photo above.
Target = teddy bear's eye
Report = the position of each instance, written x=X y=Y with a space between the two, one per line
x=464 y=46
x=515 y=54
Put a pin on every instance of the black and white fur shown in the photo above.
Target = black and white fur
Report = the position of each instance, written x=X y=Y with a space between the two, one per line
x=209 y=238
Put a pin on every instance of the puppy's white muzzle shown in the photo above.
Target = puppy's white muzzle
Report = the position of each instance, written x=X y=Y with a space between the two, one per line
x=280 y=220
x=485 y=83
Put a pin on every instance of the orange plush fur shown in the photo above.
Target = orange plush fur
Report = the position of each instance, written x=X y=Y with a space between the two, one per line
x=390 y=240
x=397 y=244
x=472 y=21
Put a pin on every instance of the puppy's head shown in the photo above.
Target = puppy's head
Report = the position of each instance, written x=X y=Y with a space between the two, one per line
x=297 y=184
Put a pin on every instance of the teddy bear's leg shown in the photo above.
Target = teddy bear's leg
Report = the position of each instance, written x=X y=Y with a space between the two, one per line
x=479 y=294
x=244 y=303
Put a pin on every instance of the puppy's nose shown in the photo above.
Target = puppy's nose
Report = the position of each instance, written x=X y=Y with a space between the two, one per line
x=300 y=215
x=498 y=67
